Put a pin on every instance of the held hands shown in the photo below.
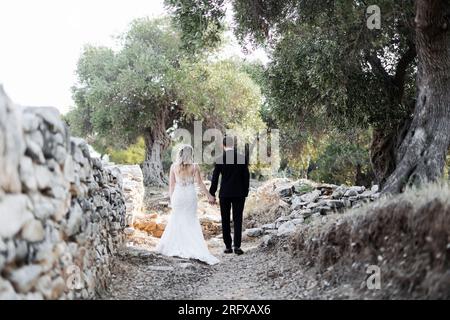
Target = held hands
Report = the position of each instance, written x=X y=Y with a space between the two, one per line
x=211 y=199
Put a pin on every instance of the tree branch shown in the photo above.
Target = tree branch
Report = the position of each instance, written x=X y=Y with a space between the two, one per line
x=404 y=62
x=377 y=67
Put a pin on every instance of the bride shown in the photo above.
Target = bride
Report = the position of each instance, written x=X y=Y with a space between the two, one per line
x=183 y=235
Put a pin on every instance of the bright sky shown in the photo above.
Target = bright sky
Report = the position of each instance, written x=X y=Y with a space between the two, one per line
x=41 y=41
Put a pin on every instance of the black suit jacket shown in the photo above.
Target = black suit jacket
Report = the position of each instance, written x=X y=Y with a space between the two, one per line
x=235 y=181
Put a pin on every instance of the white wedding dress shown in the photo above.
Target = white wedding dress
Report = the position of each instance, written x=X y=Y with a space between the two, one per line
x=183 y=236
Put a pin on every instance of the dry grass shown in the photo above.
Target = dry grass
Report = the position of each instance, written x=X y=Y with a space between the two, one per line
x=407 y=236
x=263 y=205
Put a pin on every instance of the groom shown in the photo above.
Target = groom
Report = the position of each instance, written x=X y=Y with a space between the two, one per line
x=234 y=186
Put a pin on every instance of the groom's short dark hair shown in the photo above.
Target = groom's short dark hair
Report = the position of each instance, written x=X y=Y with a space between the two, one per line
x=228 y=141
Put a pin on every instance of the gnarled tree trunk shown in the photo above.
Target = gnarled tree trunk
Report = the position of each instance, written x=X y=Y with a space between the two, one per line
x=421 y=156
x=386 y=140
x=156 y=142
x=383 y=150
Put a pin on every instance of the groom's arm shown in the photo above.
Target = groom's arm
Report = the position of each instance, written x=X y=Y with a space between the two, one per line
x=246 y=178
x=215 y=179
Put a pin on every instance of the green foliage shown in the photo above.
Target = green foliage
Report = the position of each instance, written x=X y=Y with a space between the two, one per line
x=201 y=22
x=303 y=188
x=124 y=93
x=327 y=69
x=151 y=83
x=134 y=154
x=344 y=159
x=223 y=94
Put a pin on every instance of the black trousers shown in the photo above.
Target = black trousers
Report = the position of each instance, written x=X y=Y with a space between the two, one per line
x=237 y=205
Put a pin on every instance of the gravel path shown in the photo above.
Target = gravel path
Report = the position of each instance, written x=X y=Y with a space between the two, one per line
x=140 y=273
x=260 y=273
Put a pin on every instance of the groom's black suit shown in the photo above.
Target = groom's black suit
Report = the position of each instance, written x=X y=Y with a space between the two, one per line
x=234 y=186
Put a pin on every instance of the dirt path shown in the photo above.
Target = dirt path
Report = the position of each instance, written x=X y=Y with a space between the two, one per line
x=140 y=273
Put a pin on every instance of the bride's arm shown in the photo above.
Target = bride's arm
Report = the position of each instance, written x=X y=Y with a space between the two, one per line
x=200 y=182
x=171 y=181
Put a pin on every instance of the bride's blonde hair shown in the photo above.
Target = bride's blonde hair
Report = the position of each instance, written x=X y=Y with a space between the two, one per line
x=185 y=160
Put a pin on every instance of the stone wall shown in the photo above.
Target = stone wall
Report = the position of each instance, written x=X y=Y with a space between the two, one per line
x=61 y=212
x=133 y=189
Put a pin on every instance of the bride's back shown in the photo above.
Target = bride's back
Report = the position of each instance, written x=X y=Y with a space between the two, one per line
x=184 y=173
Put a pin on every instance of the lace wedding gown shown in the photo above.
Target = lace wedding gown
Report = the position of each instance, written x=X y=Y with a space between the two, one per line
x=183 y=236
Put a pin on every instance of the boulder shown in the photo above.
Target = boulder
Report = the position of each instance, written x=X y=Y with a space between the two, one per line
x=286 y=228
x=25 y=278
x=254 y=232
x=14 y=214
x=7 y=291
x=310 y=196
x=339 y=192
x=33 y=231
x=297 y=221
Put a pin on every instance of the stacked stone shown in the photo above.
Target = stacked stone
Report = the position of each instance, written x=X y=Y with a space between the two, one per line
x=303 y=200
x=133 y=189
x=61 y=212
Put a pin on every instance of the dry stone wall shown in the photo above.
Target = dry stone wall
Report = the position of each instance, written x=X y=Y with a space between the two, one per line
x=133 y=189
x=62 y=212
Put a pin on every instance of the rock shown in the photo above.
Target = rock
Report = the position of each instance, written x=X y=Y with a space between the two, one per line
x=280 y=221
x=27 y=175
x=297 y=203
x=33 y=231
x=376 y=196
x=128 y=231
x=51 y=116
x=295 y=214
x=157 y=233
x=268 y=240
x=339 y=192
x=25 y=277
x=366 y=194
x=286 y=228
x=43 y=177
x=69 y=170
x=269 y=226
x=375 y=188
x=335 y=204
x=186 y=265
x=285 y=191
x=322 y=210
x=7 y=291
x=354 y=191
x=326 y=189
x=14 y=214
x=351 y=193
x=44 y=286
x=74 y=222
x=34 y=296
x=311 y=196
x=301 y=214
x=30 y=122
x=254 y=232
x=11 y=145
x=44 y=207
x=58 y=287
x=297 y=221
